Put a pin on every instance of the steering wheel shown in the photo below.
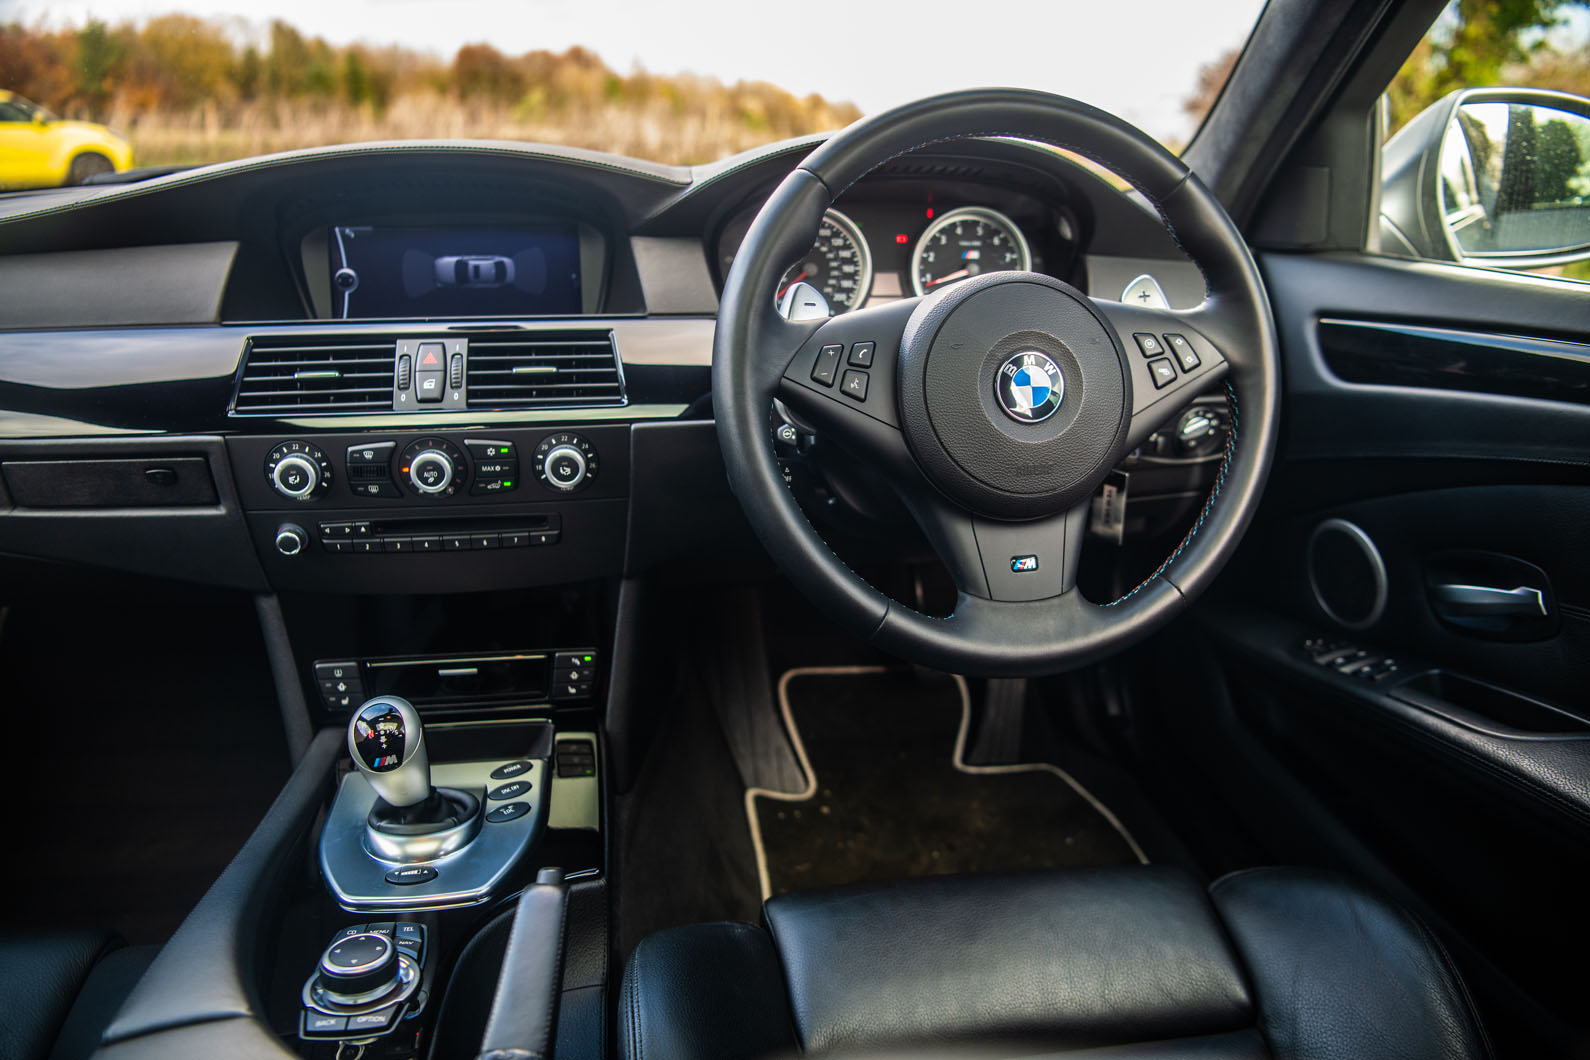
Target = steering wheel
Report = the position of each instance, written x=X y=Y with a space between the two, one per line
x=996 y=406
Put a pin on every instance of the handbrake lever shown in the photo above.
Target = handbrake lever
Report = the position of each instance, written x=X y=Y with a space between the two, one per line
x=524 y=1013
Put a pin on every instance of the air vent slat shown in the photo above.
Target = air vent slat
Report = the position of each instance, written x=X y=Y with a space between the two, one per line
x=286 y=375
x=542 y=371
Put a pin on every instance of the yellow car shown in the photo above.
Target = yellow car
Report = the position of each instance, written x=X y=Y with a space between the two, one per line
x=37 y=149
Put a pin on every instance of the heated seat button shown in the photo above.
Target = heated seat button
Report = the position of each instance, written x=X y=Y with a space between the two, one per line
x=827 y=366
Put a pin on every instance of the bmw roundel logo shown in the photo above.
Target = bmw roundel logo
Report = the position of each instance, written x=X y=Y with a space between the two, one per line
x=1029 y=387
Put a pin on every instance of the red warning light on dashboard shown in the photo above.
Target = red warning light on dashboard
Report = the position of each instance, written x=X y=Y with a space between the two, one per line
x=930 y=213
x=902 y=238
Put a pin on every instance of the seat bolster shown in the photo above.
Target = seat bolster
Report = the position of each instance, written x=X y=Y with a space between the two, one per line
x=40 y=976
x=1076 y=959
x=707 y=990
x=1338 y=972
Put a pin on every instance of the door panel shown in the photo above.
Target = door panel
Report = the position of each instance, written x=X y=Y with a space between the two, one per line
x=1451 y=759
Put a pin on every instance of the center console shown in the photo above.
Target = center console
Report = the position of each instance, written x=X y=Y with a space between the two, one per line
x=414 y=832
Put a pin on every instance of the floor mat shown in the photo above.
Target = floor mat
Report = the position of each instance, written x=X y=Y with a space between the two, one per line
x=889 y=796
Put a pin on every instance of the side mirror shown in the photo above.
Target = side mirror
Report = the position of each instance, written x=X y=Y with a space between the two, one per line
x=1491 y=176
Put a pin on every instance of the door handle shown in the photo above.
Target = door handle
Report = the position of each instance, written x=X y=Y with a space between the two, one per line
x=1485 y=601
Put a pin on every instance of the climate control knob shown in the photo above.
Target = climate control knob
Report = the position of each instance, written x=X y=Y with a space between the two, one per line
x=298 y=471
x=433 y=467
x=431 y=471
x=565 y=462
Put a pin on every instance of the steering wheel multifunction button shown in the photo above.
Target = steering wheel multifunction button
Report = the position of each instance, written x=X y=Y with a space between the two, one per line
x=1183 y=351
x=854 y=385
x=1149 y=344
x=861 y=354
x=1163 y=371
x=827 y=366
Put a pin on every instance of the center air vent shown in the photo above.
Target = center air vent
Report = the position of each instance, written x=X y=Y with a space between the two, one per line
x=544 y=370
x=296 y=374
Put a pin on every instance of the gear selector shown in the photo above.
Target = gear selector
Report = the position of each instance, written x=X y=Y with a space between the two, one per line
x=411 y=820
x=387 y=742
x=406 y=833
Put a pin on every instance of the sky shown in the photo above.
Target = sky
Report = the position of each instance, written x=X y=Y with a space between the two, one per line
x=1139 y=60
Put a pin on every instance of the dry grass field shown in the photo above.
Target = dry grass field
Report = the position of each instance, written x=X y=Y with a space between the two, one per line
x=651 y=129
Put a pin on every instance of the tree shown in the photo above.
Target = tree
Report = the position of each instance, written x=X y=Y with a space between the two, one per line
x=1473 y=44
x=1212 y=77
x=99 y=60
x=481 y=71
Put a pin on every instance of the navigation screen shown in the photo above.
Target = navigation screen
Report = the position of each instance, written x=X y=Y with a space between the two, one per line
x=452 y=272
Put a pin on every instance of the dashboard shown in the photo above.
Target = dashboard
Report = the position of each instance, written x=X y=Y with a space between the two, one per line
x=455 y=367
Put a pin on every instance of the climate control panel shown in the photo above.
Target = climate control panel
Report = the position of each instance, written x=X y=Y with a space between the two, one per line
x=483 y=507
x=433 y=468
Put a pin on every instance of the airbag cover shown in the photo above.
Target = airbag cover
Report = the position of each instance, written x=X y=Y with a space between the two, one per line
x=975 y=444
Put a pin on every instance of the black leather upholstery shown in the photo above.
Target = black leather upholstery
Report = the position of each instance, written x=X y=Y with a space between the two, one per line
x=61 y=990
x=1135 y=962
x=523 y=1017
x=1374 y=973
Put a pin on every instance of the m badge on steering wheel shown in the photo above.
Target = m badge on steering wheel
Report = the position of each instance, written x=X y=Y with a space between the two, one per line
x=1029 y=387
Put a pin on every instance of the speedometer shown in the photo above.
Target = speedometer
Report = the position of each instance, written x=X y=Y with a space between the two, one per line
x=967 y=242
x=839 y=264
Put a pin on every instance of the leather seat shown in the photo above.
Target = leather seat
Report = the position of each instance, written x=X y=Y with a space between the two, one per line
x=1134 y=962
x=61 y=991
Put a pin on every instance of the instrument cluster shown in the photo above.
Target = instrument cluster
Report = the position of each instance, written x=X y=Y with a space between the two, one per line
x=878 y=247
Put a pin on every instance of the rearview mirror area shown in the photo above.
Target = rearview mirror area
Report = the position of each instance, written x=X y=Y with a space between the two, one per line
x=1497 y=177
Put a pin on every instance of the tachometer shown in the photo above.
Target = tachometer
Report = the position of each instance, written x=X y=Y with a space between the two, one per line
x=967 y=242
x=839 y=265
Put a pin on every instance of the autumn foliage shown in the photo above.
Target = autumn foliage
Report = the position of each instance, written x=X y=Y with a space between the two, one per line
x=190 y=90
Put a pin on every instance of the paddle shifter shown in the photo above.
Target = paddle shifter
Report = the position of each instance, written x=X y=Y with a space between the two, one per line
x=387 y=741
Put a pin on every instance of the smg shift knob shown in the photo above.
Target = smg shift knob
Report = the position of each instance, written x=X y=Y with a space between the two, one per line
x=387 y=743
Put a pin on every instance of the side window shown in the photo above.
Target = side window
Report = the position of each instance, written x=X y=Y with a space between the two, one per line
x=10 y=111
x=1487 y=159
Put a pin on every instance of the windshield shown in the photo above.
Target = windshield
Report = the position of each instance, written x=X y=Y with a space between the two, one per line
x=196 y=81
